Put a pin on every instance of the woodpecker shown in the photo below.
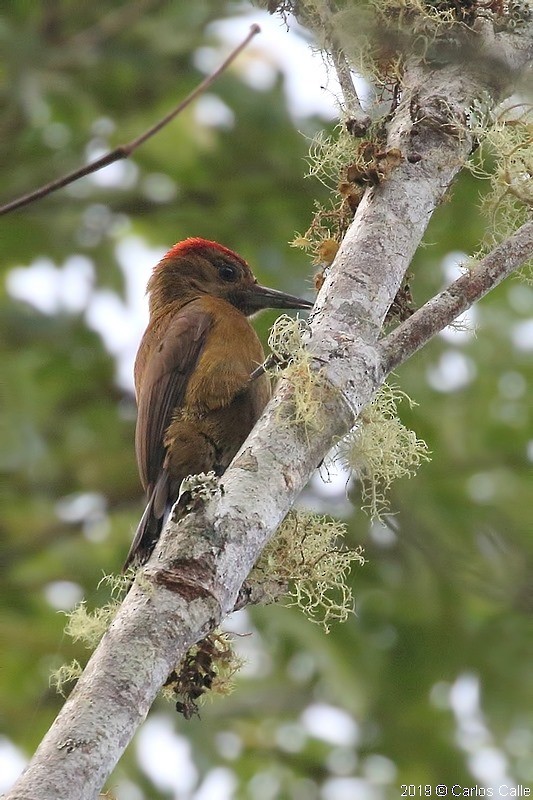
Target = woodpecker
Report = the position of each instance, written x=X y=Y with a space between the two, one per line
x=196 y=401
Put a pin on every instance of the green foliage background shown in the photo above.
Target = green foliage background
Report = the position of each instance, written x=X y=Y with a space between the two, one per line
x=445 y=597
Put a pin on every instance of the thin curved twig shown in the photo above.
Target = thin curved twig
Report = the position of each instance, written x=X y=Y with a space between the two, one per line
x=358 y=121
x=125 y=150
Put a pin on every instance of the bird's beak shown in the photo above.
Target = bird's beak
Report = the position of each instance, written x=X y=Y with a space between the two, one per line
x=262 y=297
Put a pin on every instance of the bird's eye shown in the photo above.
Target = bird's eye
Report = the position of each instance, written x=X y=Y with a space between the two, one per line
x=227 y=273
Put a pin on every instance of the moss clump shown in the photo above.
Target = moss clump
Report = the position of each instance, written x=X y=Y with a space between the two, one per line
x=309 y=388
x=306 y=559
x=380 y=449
x=89 y=626
x=347 y=167
x=508 y=140
x=67 y=673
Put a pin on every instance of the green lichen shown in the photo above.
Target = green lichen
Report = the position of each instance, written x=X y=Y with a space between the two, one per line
x=309 y=389
x=89 y=626
x=307 y=560
x=380 y=449
x=67 y=673
x=506 y=161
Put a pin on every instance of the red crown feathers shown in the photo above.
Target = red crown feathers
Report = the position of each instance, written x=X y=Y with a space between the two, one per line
x=197 y=244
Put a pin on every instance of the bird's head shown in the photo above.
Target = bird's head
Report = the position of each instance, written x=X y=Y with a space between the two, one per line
x=197 y=267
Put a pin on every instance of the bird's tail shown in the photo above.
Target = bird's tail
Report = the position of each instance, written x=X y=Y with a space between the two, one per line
x=150 y=526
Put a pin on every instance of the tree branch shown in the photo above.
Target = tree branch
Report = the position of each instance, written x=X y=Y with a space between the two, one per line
x=358 y=120
x=125 y=150
x=441 y=310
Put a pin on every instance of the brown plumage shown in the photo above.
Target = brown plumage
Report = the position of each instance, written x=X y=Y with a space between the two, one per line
x=196 y=402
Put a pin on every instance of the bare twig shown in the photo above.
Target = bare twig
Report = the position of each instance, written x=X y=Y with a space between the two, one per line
x=263 y=368
x=125 y=150
x=357 y=121
x=442 y=309
x=270 y=362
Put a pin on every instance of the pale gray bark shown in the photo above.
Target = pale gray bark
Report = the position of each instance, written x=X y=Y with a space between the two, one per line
x=195 y=575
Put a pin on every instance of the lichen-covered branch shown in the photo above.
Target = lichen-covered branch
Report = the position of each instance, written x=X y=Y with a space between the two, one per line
x=441 y=310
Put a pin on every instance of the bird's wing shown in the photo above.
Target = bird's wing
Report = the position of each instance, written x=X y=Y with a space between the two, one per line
x=163 y=386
